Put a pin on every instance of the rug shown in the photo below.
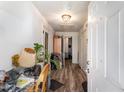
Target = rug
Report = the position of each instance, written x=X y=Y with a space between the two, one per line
x=55 y=85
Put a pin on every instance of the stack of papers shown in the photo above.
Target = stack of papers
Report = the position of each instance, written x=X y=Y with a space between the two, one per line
x=23 y=81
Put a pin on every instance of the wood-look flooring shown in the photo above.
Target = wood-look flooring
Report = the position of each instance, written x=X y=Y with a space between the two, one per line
x=72 y=76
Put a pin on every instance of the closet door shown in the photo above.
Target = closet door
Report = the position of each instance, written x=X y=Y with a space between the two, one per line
x=112 y=49
x=121 y=48
x=106 y=48
x=115 y=49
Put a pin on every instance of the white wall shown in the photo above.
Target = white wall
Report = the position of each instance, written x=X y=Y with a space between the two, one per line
x=20 y=26
x=74 y=36
x=40 y=23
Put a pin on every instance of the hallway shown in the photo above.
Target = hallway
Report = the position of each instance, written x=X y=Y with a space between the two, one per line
x=96 y=45
x=71 y=76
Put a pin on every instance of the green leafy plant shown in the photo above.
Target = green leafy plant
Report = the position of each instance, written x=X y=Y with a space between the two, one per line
x=47 y=56
x=38 y=48
x=56 y=63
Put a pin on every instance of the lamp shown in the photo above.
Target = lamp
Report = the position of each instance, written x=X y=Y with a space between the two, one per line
x=27 y=61
x=27 y=58
x=66 y=18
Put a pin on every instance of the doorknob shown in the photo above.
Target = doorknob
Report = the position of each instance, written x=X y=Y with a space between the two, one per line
x=88 y=71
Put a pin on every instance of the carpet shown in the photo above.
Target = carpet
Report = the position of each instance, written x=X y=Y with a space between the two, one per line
x=55 y=85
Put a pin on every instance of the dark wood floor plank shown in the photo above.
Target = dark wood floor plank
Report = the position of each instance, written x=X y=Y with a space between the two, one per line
x=72 y=76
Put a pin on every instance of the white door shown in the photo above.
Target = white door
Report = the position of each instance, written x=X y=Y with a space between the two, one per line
x=106 y=49
x=91 y=55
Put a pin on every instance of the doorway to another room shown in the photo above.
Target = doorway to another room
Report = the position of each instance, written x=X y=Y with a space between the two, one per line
x=68 y=49
x=63 y=47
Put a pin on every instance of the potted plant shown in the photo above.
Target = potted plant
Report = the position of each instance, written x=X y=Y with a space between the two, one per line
x=39 y=54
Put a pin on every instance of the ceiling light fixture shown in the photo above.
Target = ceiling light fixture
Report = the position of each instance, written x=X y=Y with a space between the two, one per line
x=66 y=18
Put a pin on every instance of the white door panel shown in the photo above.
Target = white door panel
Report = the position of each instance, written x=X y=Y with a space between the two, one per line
x=106 y=48
x=121 y=46
x=112 y=48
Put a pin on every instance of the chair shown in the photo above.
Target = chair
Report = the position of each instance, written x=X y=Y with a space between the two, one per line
x=42 y=79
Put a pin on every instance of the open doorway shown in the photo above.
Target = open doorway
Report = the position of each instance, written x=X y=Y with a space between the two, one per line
x=68 y=48
x=63 y=47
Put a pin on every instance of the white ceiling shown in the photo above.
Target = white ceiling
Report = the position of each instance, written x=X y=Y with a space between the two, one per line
x=53 y=10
